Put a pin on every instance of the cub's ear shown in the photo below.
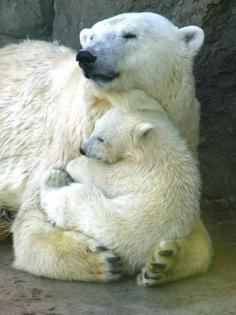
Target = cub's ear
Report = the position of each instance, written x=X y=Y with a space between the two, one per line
x=142 y=130
x=83 y=36
x=193 y=36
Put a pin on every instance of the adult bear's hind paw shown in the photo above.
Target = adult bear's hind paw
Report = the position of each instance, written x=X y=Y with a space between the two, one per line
x=160 y=266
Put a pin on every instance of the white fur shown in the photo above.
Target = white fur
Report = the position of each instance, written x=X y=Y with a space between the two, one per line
x=159 y=62
x=149 y=193
x=193 y=37
x=47 y=108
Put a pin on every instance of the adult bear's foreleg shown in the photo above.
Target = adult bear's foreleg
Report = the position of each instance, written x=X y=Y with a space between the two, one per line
x=44 y=250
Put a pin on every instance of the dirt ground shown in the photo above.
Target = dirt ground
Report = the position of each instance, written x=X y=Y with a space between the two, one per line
x=213 y=293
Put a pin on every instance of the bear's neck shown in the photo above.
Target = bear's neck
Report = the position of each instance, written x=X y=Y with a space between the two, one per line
x=85 y=107
x=76 y=111
x=179 y=101
x=177 y=98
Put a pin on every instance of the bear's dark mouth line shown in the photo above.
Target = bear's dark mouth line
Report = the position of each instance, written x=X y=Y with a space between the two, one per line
x=101 y=77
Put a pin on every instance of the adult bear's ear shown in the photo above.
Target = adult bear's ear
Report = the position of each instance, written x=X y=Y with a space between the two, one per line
x=83 y=36
x=142 y=130
x=193 y=36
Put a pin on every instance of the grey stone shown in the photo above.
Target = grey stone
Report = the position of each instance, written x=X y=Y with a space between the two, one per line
x=20 y=19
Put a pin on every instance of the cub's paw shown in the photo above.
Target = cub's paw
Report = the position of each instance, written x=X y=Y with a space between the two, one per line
x=56 y=178
x=111 y=265
x=159 y=267
x=6 y=214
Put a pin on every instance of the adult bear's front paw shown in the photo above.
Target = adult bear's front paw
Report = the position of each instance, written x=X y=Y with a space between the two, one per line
x=111 y=265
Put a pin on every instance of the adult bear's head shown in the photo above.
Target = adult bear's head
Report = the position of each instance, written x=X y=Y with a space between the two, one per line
x=138 y=50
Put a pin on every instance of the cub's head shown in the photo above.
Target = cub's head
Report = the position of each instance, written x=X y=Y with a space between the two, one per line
x=137 y=50
x=119 y=135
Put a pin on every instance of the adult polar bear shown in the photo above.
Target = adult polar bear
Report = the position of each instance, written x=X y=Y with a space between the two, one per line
x=47 y=108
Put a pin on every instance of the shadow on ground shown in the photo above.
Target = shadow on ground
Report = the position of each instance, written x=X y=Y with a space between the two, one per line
x=212 y=293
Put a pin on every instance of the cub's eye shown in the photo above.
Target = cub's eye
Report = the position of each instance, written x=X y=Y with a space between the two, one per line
x=100 y=139
x=129 y=35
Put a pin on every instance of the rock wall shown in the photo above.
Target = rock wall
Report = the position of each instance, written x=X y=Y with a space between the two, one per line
x=20 y=19
x=215 y=67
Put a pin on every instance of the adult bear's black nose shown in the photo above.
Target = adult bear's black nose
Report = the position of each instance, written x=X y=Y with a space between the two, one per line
x=85 y=58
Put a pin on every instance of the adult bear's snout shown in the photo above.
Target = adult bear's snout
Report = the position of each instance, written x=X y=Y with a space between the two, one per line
x=82 y=151
x=85 y=58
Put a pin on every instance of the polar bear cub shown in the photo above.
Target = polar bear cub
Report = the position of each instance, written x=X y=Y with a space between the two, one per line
x=137 y=187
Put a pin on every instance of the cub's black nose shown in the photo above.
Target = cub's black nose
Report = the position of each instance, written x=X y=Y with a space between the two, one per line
x=85 y=58
x=82 y=152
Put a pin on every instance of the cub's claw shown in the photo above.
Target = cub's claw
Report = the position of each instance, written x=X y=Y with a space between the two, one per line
x=156 y=267
x=161 y=264
x=101 y=248
x=166 y=253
